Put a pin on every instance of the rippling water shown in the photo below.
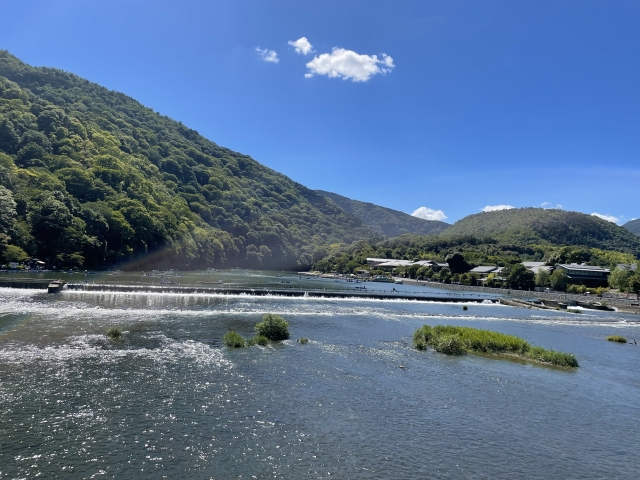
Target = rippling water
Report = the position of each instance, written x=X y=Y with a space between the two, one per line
x=169 y=399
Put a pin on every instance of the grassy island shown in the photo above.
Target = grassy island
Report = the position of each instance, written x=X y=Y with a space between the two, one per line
x=617 y=338
x=453 y=340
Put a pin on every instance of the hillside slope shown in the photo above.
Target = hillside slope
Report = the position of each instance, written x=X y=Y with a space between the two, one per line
x=555 y=227
x=633 y=226
x=91 y=177
x=386 y=221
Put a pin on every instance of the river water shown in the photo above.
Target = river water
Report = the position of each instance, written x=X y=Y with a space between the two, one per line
x=169 y=399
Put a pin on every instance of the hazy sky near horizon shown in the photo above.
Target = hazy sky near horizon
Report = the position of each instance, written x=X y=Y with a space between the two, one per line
x=440 y=107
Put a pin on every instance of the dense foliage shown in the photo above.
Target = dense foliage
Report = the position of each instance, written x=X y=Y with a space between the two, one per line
x=475 y=251
x=386 y=221
x=543 y=226
x=633 y=226
x=90 y=177
x=273 y=327
x=453 y=340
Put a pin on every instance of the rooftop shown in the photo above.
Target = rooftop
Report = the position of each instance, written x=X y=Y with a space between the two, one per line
x=583 y=268
x=484 y=269
x=533 y=264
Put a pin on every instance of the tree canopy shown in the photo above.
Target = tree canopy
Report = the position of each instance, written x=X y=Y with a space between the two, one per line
x=91 y=177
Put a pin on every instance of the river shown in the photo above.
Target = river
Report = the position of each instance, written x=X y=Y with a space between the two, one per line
x=169 y=399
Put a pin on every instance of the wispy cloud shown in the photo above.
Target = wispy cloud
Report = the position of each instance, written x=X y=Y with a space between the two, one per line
x=495 y=208
x=608 y=218
x=349 y=65
x=549 y=205
x=301 y=45
x=429 y=214
x=268 y=55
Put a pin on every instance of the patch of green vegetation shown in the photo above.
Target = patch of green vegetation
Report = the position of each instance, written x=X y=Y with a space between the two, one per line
x=114 y=332
x=304 y=340
x=453 y=340
x=258 y=340
x=465 y=308
x=617 y=338
x=574 y=310
x=234 y=340
x=274 y=327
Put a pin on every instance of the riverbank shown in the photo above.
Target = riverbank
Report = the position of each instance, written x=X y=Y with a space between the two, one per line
x=623 y=305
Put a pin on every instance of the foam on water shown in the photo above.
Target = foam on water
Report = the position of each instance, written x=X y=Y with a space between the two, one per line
x=168 y=399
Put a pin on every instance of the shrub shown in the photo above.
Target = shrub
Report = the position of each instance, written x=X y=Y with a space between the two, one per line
x=617 y=338
x=274 y=327
x=234 y=340
x=304 y=340
x=114 y=332
x=258 y=340
x=577 y=289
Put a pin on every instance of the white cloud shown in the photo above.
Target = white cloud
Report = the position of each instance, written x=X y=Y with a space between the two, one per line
x=549 y=205
x=268 y=55
x=301 y=45
x=495 y=208
x=429 y=214
x=349 y=65
x=608 y=218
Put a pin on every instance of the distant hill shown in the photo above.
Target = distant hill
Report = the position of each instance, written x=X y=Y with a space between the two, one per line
x=633 y=226
x=386 y=221
x=90 y=177
x=556 y=227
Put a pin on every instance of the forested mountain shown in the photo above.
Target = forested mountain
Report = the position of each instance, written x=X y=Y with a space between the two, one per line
x=90 y=177
x=633 y=226
x=527 y=226
x=386 y=221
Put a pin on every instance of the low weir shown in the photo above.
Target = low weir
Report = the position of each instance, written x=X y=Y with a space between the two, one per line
x=261 y=291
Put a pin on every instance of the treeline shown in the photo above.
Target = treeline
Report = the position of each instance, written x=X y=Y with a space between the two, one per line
x=474 y=251
x=547 y=226
x=90 y=177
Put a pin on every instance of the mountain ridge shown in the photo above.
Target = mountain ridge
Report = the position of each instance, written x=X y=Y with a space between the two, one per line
x=99 y=179
x=546 y=226
x=633 y=226
x=384 y=220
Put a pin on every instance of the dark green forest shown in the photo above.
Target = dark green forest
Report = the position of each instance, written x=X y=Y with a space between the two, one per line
x=386 y=221
x=90 y=177
x=633 y=226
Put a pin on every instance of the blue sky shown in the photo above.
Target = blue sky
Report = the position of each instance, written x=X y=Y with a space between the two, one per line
x=475 y=104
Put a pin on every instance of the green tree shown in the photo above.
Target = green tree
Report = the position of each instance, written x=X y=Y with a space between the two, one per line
x=457 y=263
x=559 y=280
x=7 y=210
x=634 y=284
x=274 y=327
x=13 y=253
x=518 y=276
x=543 y=279
x=619 y=278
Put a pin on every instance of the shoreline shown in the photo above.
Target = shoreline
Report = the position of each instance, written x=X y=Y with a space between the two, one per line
x=621 y=305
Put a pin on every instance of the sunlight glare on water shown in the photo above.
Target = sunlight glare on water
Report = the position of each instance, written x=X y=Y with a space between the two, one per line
x=169 y=399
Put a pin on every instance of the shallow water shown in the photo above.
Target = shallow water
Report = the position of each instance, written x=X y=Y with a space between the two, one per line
x=169 y=399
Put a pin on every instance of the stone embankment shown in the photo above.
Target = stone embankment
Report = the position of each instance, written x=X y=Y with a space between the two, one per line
x=623 y=304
